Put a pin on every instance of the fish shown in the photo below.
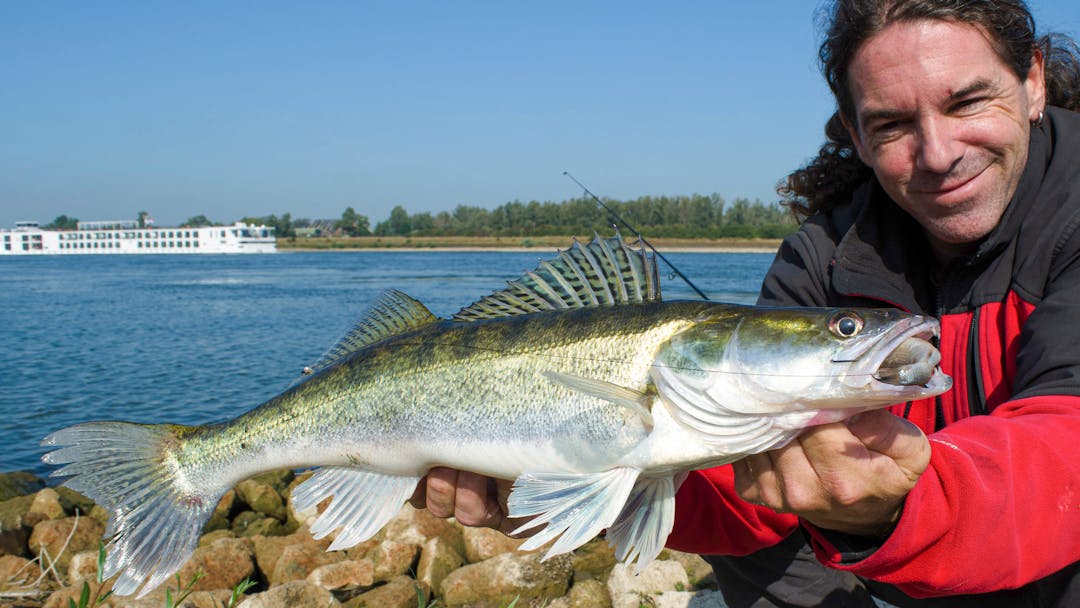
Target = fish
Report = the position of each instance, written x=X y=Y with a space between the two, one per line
x=577 y=381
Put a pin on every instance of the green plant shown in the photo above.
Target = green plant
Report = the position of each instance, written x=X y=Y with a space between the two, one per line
x=183 y=593
x=240 y=589
x=88 y=598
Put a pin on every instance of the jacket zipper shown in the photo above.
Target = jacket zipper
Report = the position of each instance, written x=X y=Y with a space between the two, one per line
x=976 y=394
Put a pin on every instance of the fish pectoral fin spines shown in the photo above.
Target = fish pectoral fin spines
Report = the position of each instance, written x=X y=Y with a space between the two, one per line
x=636 y=401
x=575 y=506
x=363 y=502
x=641 y=529
x=156 y=514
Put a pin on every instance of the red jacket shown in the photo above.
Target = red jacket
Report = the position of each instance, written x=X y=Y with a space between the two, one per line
x=999 y=505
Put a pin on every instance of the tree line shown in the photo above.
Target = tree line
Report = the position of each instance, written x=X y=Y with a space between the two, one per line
x=693 y=216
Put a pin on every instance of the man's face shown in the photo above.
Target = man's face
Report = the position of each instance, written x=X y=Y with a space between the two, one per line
x=944 y=124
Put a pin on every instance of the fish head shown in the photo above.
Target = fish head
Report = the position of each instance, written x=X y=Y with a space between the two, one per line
x=762 y=360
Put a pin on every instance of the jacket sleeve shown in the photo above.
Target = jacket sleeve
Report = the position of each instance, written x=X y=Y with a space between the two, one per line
x=999 y=505
x=710 y=518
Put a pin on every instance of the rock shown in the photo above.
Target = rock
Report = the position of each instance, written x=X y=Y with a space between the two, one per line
x=416 y=526
x=497 y=581
x=156 y=599
x=298 y=560
x=83 y=567
x=588 y=594
x=485 y=543
x=262 y=526
x=594 y=559
x=16 y=572
x=347 y=574
x=658 y=578
x=74 y=502
x=210 y=538
x=224 y=563
x=437 y=560
x=19 y=483
x=280 y=479
x=294 y=594
x=47 y=503
x=297 y=518
x=262 y=498
x=400 y=592
x=392 y=559
x=13 y=529
x=698 y=571
x=221 y=518
x=51 y=536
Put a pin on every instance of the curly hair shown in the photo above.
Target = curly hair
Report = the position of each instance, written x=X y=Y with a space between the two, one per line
x=833 y=175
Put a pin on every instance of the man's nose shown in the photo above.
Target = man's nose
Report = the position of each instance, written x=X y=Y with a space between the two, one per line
x=938 y=149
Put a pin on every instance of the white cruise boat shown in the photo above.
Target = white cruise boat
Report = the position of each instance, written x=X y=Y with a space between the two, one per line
x=125 y=237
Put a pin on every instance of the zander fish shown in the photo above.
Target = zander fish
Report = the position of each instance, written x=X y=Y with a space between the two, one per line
x=576 y=380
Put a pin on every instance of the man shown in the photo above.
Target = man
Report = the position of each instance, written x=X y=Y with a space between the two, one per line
x=951 y=187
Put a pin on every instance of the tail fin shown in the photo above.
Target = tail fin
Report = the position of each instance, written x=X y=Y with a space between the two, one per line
x=157 y=514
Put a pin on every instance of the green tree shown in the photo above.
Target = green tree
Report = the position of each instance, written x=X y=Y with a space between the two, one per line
x=63 y=222
x=197 y=221
x=353 y=223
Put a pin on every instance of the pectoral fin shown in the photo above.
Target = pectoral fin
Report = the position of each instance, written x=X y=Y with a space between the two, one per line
x=634 y=401
x=364 y=501
x=575 y=506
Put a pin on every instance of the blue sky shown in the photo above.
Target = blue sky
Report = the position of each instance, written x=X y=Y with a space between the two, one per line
x=233 y=109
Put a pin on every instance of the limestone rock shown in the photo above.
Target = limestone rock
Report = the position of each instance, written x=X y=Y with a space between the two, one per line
x=400 y=592
x=298 y=560
x=262 y=498
x=294 y=594
x=392 y=559
x=588 y=594
x=416 y=526
x=51 y=535
x=13 y=529
x=16 y=572
x=437 y=560
x=347 y=574
x=658 y=578
x=47 y=503
x=83 y=567
x=210 y=538
x=485 y=543
x=224 y=564
x=74 y=502
x=221 y=518
x=19 y=483
x=595 y=559
x=497 y=581
x=268 y=548
x=698 y=571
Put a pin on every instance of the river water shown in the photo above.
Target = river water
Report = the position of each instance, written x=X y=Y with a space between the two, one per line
x=194 y=339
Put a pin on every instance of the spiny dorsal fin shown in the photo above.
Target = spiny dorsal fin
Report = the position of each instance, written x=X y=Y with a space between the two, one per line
x=392 y=313
x=606 y=272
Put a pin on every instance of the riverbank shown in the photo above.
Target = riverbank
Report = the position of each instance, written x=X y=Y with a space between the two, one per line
x=515 y=243
x=49 y=540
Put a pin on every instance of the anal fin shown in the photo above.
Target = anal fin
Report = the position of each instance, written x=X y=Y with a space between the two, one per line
x=642 y=528
x=363 y=502
x=575 y=506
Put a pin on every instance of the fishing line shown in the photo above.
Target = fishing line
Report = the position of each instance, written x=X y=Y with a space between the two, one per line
x=568 y=357
x=619 y=219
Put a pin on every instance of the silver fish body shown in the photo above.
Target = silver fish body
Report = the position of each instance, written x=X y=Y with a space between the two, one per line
x=576 y=381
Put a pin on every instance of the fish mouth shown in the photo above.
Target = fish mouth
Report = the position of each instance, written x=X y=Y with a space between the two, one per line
x=905 y=356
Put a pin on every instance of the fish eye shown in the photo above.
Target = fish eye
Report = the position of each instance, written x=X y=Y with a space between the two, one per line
x=846 y=324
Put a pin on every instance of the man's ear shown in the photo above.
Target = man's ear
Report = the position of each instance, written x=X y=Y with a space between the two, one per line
x=1035 y=86
x=853 y=133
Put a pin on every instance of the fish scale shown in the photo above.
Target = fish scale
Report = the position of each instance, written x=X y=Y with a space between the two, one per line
x=576 y=381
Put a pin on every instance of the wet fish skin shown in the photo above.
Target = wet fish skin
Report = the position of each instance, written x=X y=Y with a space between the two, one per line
x=589 y=408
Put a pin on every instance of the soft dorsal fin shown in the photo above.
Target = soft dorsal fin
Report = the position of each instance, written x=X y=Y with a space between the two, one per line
x=606 y=272
x=392 y=313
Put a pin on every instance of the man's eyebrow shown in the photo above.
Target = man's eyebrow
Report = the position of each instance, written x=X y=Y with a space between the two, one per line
x=977 y=86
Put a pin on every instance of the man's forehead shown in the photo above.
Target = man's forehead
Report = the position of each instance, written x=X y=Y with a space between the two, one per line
x=934 y=59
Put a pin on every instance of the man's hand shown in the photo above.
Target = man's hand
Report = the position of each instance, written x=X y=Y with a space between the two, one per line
x=474 y=500
x=848 y=476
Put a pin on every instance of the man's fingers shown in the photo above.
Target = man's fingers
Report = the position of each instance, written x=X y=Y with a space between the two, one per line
x=894 y=437
x=442 y=491
x=474 y=506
